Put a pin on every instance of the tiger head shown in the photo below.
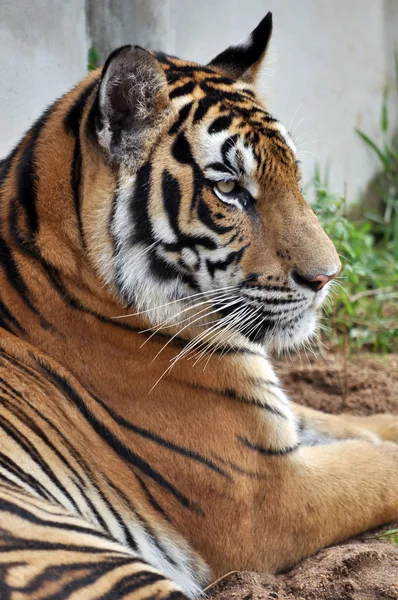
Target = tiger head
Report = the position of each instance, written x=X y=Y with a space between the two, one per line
x=206 y=207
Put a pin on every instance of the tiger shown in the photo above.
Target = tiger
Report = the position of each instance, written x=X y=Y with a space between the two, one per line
x=155 y=250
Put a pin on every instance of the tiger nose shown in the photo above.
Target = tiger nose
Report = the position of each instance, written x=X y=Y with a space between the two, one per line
x=314 y=283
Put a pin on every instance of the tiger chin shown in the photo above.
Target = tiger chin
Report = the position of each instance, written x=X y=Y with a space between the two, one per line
x=154 y=245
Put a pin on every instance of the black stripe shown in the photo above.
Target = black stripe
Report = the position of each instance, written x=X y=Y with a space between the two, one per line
x=143 y=233
x=173 y=596
x=26 y=173
x=249 y=92
x=26 y=545
x=171 y=195
x=233 y=395
x=223 y=95
x=74 y=115
x=25 y=478
x=226 y=147
x=6 y=164
x=161 y=441
x=219 y=79
x=220 y=124
x=57 y=572
x=16 y=281
x=190 y=242
x=19 y=494
x=151 y=498
x=222 y=265
x=204 y=105
x=33 y=426
x=113 y=441
x=182 y=90
x=182 y=153
x=182 y=117
x=30 y=449
x=72 y=125
x=267 y=451
x=80 y=583
x=182 y=150
x=21 y=415
x=219 y=166
x=34 y=375
x=76 y=171
x=273 y=301
x=143 y=522
x=23 y=513
x=131 y=583
x=187 y=69
x=205 y=214
x=139 y=206
x=6 y=315
x=3 y=325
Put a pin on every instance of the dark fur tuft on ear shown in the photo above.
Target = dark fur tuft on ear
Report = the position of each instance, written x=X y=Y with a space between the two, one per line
x=132 y=99
x=243 y=60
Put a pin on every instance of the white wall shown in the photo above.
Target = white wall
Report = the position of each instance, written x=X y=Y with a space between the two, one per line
x=43 y=50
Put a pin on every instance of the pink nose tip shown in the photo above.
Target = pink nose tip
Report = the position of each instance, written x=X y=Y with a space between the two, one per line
x=318 y=282
x=314 y=283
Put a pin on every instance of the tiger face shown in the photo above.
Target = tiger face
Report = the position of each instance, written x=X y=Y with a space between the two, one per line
x=207 y=219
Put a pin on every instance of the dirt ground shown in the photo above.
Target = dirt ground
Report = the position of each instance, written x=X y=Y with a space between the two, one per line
x=364 y=568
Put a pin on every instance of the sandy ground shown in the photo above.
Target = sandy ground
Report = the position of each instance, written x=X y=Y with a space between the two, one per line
x=361 y=569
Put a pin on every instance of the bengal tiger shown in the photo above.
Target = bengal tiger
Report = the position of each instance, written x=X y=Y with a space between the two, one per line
x=155 y=247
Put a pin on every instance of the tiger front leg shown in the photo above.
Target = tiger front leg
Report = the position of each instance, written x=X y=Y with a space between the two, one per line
x=317 y=427
x=322 y=495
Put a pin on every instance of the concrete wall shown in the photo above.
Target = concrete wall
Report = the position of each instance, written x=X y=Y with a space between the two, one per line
x=328 y=65
x=149 y=23
x=43 y=50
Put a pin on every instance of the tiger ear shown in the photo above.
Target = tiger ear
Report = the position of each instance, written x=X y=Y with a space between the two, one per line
x=132 y=101
x=243 y=60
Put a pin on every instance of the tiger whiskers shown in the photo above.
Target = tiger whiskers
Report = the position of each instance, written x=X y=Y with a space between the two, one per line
x=191 y=323
x=238 y=320
x=176 y=358
x=241 y=315
x=171 y=321
x=201 y=338
x=182 y=299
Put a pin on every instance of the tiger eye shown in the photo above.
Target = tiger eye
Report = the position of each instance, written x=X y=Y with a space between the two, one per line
x=226 y=187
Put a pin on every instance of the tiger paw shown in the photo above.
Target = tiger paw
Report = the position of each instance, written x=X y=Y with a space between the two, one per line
x=383 y=425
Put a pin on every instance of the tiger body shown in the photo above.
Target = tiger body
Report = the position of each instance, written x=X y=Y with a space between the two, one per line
x=146 y=445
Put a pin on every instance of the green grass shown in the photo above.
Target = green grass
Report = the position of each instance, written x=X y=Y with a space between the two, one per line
x=391 y=536
x=385 y=223
x=363 y=313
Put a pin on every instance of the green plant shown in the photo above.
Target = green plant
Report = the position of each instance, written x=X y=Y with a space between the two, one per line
x=386 y=224
x=391 y=536
x=93 y=59
x=364 y=310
